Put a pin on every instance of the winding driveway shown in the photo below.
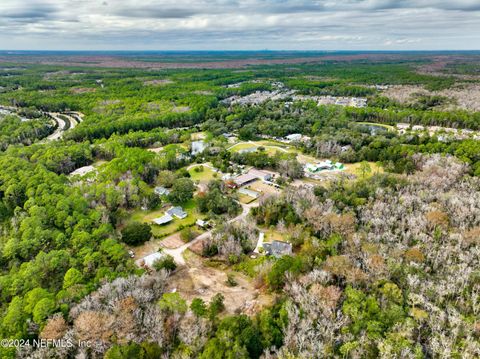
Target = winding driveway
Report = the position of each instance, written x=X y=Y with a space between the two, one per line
x=177 y=253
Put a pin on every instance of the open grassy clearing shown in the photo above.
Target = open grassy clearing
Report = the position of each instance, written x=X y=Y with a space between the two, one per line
x=270 y=147
x=272 y=234
x=263 y=188
x=205 y=175
x=242 y=198
x=355 y=169
x=198 y=136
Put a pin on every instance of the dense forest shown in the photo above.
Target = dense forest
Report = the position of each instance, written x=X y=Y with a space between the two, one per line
x=383 y=265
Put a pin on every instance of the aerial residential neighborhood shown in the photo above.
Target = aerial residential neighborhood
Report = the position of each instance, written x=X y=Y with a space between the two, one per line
x=239 y=179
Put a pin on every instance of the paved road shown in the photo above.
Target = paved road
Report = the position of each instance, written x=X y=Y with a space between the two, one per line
x=60 y=127
x=74 y=117
x=176 y=253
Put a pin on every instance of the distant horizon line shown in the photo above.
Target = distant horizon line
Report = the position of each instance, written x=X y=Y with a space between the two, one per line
x=259 y=50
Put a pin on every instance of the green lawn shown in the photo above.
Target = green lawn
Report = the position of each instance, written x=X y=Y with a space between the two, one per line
x=169 y=228
x=354 y=168
x=242 y=146
x=242 y=198
x=272 y=234
x=271 y=147
x=204 y=176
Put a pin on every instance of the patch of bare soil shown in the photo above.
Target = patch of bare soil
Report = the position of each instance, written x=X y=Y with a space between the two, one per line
x=180 y=109
x=157 y=82
x=173 y=241
x=199 y=281
x=155 y=149
x=203 y=92
x=80 y=90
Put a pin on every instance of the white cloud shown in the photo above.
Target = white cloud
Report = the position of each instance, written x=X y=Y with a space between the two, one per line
x=239 y=24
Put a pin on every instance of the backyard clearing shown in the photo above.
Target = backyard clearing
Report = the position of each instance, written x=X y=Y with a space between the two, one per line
x=202 y=173
x=355 y=169
x=270 y=147
x=242 y=198
x=197 y=280
x=263 y=188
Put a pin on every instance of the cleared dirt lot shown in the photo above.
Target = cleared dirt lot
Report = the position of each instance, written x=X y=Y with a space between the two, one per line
x=196 y=280
x=263 y=188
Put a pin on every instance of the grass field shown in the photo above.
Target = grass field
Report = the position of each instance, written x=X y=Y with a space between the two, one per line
x=272 y=234
x=242 y=198
x=271 y=147
x=172 y=227
x=354 y=168
x=202 y=176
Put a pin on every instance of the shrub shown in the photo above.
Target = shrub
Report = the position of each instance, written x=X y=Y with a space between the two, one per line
x=166 y=262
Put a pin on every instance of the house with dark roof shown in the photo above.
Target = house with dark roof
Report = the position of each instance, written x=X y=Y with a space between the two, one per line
x=277 y=248
x=177 y=212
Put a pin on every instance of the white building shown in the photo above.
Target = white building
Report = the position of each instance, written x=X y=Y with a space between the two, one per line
x=198 y=147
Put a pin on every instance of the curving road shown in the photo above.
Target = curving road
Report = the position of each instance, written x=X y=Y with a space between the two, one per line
x=73 y=117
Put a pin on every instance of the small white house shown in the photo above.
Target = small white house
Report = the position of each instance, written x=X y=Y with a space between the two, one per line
x=249 y=192
x=151 y=258
x=294 y=137
x=198 y=147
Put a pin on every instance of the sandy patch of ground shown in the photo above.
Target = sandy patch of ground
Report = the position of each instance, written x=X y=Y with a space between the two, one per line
x=263 y=188
x=157 y=82
x=198 y=136
x=203 y=92
x=180 y=109
x=172 y=241
x=155 y=149
x=80 y=90
x=197 y=280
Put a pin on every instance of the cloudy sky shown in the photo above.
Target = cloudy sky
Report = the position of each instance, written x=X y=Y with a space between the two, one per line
x=239 y=24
